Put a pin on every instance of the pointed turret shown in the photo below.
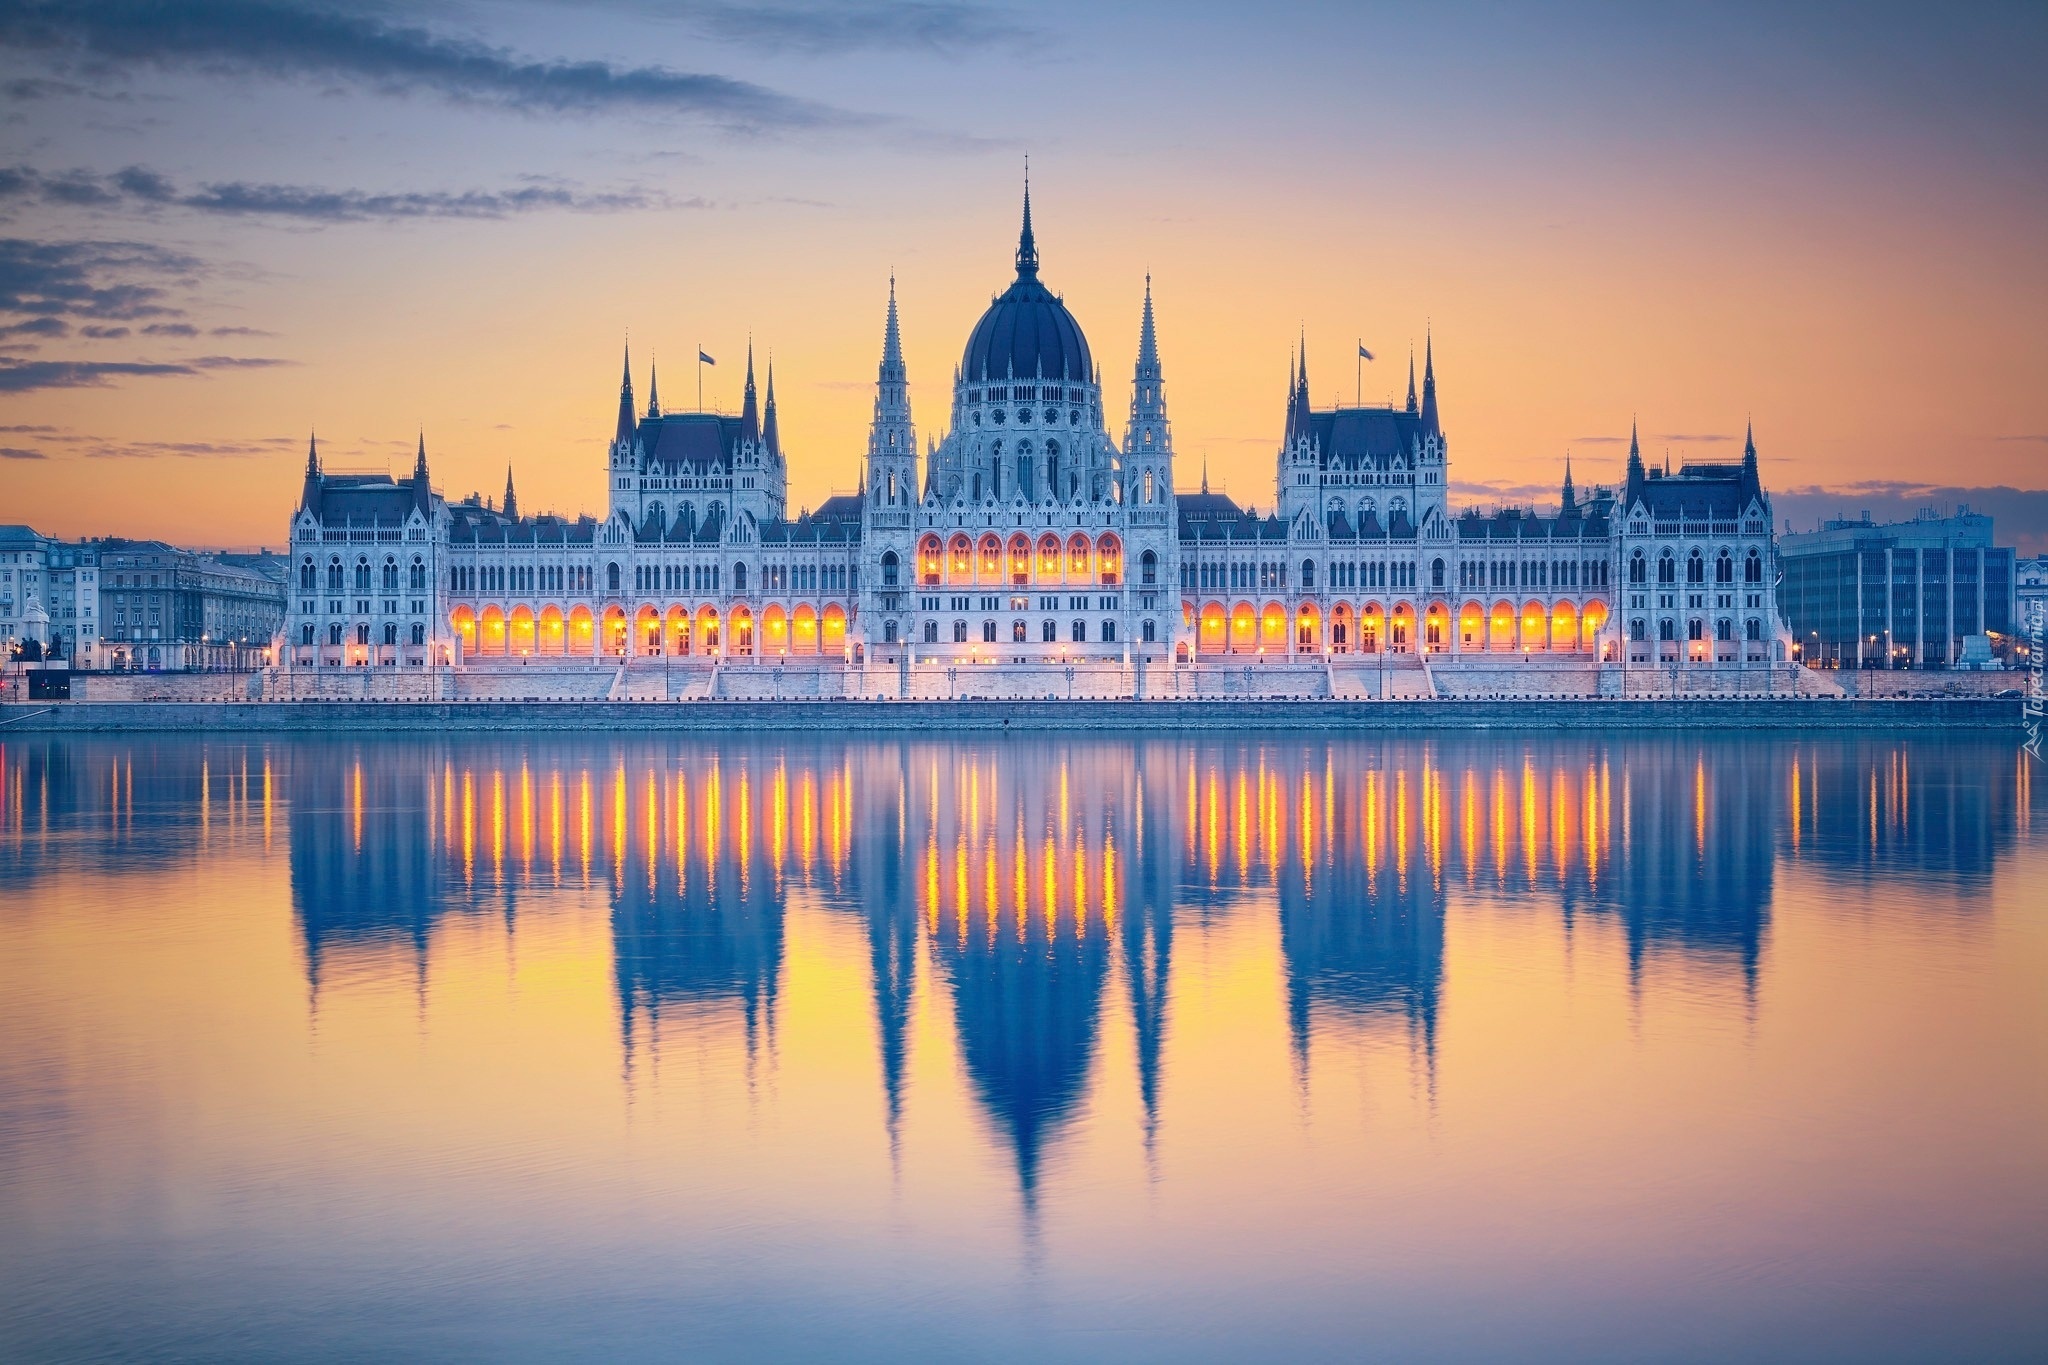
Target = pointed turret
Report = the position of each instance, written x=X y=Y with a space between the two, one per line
x=891 y=469
x=1569 y=506
x=1411 y=378
x=750 y=409
x=1146 y=440
x=422 y=491
x=309 y=495
x=1429 y=414
x=1636 y=473
x=770 y=435
x=1298 y=424
x=1027 y=245
x=511 y=498
x=653 y=389
x=623 y=436
x=1749 y=472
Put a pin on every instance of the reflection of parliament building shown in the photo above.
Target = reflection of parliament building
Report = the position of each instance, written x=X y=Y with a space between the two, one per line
x=1045 y=896
x=1027 y=549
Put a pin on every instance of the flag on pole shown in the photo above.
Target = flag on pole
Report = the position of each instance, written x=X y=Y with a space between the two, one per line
x=703 y=359
x=1363 y=352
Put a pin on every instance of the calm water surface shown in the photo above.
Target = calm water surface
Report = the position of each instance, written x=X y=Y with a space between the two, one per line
x=1536 y=1046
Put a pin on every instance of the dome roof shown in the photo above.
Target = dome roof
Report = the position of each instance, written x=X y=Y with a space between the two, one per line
x=1027 y=332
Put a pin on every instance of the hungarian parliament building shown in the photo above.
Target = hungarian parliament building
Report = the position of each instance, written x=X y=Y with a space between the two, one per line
x=1028 y=552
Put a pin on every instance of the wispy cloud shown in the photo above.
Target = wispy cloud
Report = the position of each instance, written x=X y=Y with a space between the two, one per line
x=107 y=280
x=189 y=450
x=934 y=27
x=26 y=376
x=2036 y=438
x=18 y=453
x=138 y=188
x=367 y=50
x=1659 y=438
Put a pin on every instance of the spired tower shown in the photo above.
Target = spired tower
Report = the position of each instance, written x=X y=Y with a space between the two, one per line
x=888 y=492
x=1150 y=511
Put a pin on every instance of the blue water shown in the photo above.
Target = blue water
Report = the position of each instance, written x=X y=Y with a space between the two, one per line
x=1539 y=1046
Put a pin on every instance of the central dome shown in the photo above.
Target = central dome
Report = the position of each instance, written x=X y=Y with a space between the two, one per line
x=1027 y=333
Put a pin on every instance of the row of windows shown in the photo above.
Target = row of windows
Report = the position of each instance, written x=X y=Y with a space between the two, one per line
x=338 y=576
x=1695 y=629
x=1020 y=632
x=362 y=633
x=1696 y=567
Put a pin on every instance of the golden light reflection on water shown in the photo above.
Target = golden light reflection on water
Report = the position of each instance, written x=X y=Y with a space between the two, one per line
x=1239 y=993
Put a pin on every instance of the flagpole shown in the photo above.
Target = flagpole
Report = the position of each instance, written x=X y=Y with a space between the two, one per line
x=1358 y=396
x=700 y=376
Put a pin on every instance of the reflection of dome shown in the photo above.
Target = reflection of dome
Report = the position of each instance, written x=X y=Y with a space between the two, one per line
x=1027 y=333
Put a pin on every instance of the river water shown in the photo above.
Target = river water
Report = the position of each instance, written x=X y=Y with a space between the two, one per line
x=1541 y=1046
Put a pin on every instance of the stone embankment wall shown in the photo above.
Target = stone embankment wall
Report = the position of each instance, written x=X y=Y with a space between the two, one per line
x=1790 y=714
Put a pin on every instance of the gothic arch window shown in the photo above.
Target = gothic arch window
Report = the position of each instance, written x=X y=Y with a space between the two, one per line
x=611 y=577
x=390 y=575
x=1638 y=568
x=1753 y=568
x=1755 y=629
x=959 y=632
x=1695 y=569
x=739 y=577
x=890 y=564
x=1667 y=569
x=418 y=577
x=1148 y=568
x=1308 y=574
x=419 y=633
x=888 y=632
x=1436 y=573
x=1149 y=492
x=1724 y=629
x=1635 y=630
x=1666 y=630
x=363 y=575
x=1724 y=567
x=308 y=578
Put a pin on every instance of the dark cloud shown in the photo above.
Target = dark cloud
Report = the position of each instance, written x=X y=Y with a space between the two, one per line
x=26 y=376
x=238 y=332
x=367 y=50
x=107 y=280
x=100 y=333
x=2038 y=438
x=2019 y=516
x=37 y=327
x=832 y=29
x=18 y=453
x=30 y=430
x=170 y=329
x=140 y=188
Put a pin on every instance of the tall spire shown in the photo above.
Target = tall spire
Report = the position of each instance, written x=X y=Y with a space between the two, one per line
x=309 y=494
x=1429 y=413
x=891 y=438
x=1570 y=503
x=623 y=436
x=892 y=343
x=1749 y=453
x=750 y=411
x=511 y=498
x=1635 y=455
x=1205 y=471
x=653 y=388
x=1027 y=245
x=770 y=436
x=1411 y=377
x=1147 y=438
x=422 y=491
x=1148 y=338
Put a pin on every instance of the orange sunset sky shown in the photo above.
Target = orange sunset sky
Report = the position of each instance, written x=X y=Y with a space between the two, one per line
x=229 y=224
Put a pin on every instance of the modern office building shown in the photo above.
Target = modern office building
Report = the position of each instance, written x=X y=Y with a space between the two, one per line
x=1865 y=594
